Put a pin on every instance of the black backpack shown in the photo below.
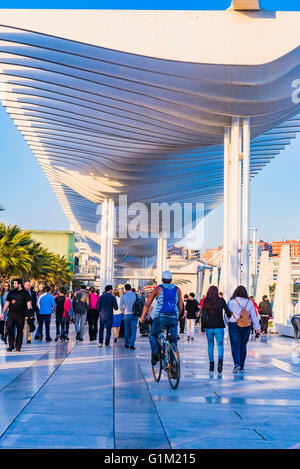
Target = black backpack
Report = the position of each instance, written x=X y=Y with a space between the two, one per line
x=137 y=307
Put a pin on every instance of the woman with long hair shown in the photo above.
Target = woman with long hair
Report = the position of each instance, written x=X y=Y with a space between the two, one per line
x=212 y=323
x=240 y=324
x=93 y=314
x=118 y=316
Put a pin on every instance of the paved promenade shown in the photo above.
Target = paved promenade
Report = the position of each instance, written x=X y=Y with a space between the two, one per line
x=78 y=396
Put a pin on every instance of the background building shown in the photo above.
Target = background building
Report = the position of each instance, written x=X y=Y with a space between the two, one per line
x=58 y=242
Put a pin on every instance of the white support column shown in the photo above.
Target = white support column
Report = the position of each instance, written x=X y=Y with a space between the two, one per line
x=107 y=244
x=255 y=259
x=164 y=253
x=161 y=262
x=246 y=200
x=234 y=226
x=110 y=259
x=158 y=261
x=103 y=256
x=226 y=247
x=240 y=206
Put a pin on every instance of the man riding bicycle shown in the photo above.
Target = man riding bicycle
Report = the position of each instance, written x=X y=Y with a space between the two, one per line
x=169 y=306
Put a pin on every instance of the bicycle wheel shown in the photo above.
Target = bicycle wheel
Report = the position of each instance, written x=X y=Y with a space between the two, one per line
x=174 y=366
x=156 y=370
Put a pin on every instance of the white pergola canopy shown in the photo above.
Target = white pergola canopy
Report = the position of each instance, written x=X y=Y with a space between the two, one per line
x=107 y=115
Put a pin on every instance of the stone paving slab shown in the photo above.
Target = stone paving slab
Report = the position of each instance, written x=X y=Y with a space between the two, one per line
x=79 y=396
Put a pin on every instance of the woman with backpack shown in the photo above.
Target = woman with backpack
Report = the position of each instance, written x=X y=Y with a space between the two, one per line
x=213 y=324
x=240 y=324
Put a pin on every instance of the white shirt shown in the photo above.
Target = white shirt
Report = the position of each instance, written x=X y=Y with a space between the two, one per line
x=235 y=308
x=118 y=311
x=153 y=310
x=127 y=301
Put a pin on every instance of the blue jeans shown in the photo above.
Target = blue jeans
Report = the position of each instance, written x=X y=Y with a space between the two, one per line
x=160 y=323
x=79 y=320
x=44 y=318
x=130 y=325
x=211 y=334
x=239 y=337
x=104 y=322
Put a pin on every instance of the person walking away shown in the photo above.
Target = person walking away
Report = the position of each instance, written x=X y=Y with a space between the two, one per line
x=80 y=307
x=212 y=323
x=130 y=320
x=68 y=311
x=93 y=315
x=3 y=324
x=150 y=316
x=257 y=310
x=19 y=303
x=169 y=306
x=295 y=320
x=69 y=316
x=29 y=321
x=242 y=315
x=107 y=303
x=59 y=308
x=118 y=315
x=265 y=314
x=37 y=332
x=46 y=303
x=191 y=307
x=182 y=316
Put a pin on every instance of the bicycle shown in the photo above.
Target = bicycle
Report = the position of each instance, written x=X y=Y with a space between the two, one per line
x=169 y=361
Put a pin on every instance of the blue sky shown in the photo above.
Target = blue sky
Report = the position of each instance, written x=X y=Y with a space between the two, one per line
x=143 y=5
x=29 y=201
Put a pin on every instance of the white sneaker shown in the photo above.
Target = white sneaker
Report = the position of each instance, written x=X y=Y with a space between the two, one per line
x=100 y=345
x=236 y=369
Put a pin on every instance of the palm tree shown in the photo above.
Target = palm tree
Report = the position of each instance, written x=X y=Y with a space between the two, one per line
x=15 y=256
x=20 y=255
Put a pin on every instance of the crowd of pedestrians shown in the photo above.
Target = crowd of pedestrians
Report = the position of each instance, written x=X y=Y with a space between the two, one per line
x=24 y=311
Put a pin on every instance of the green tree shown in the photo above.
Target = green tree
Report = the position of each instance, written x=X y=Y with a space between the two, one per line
x=22 y=256
x=15 y=256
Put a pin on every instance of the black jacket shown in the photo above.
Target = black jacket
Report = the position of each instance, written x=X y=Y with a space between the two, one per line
x=213 y=319
x=106 y=304
x=191 y=308
x=265 y=308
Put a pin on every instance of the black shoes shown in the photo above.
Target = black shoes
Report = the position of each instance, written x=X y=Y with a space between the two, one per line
x=126 y=346
x=28 y=341
x=18 y=350
x=80 y=339
x=132 y=347
x=211 y=366
x=155 y=358
x=220 y=365
x=56 y=338
x=10 y=349
x=48 y=339
x=115 y=340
